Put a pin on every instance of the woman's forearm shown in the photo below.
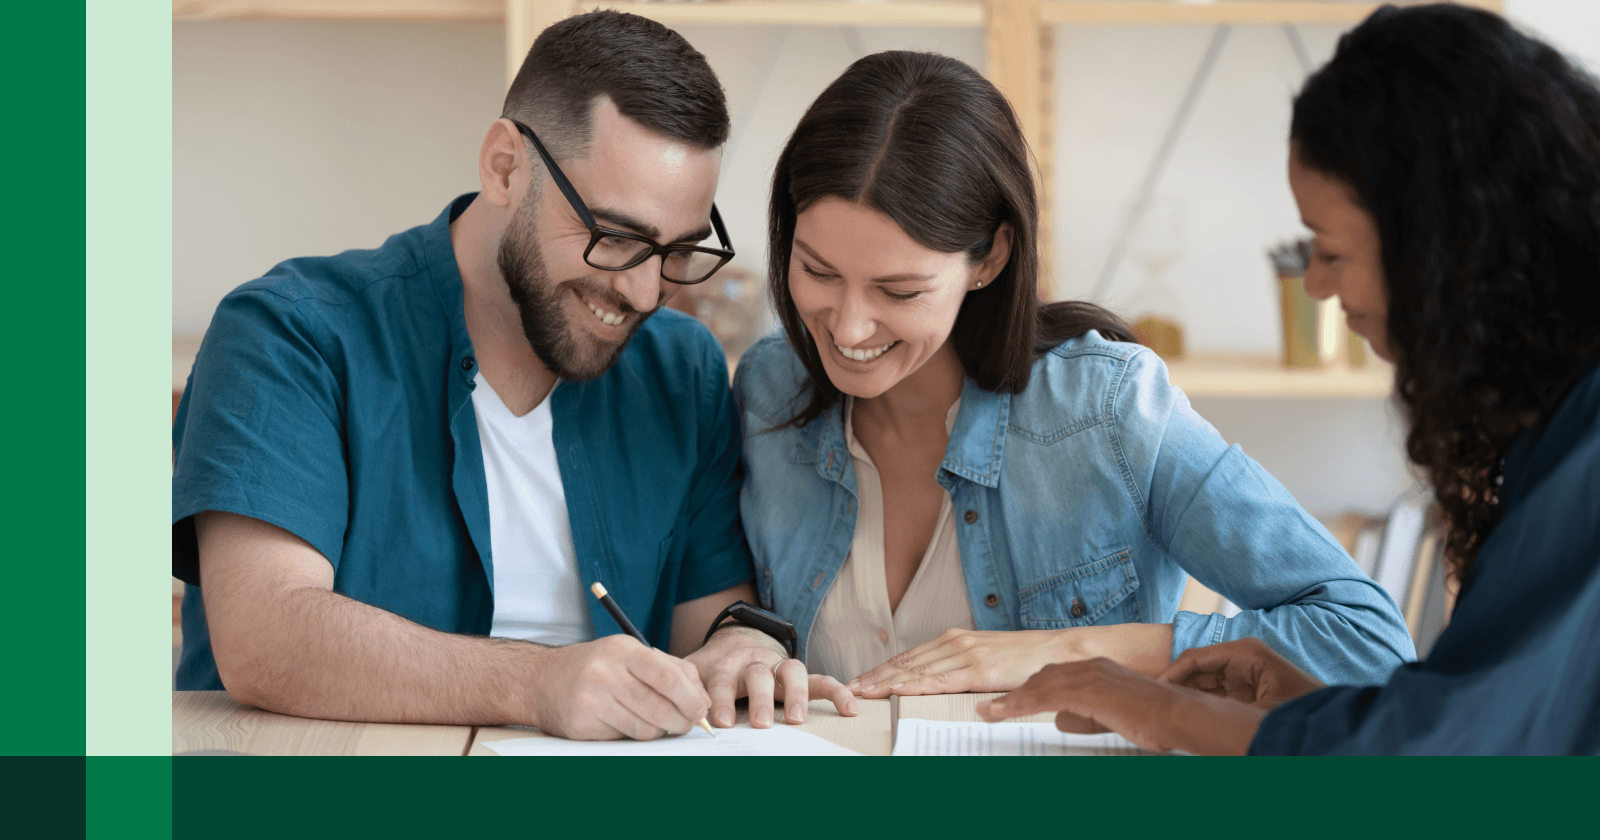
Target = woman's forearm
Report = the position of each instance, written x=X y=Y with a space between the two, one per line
x=1146 y=648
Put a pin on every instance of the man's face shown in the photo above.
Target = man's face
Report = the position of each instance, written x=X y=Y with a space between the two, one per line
x=579 y=318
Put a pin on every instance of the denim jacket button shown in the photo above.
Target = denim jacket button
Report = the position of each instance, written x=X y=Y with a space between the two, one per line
x=1077 y=608
x=991 y=600
x=971 y=517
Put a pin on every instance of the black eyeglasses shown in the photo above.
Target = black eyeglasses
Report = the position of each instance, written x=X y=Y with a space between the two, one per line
x=619 y=250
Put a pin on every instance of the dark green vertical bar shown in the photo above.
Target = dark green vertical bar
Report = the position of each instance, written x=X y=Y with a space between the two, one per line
x=41 y=344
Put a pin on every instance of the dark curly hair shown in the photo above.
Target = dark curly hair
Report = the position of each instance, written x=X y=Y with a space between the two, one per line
x=1477 y=151
x=929 y=142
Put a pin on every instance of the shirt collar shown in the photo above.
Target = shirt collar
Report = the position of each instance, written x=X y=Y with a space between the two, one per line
x=977 y=441
x=440 y=257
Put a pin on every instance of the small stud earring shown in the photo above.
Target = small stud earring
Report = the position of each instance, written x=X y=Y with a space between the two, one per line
x=980 y=284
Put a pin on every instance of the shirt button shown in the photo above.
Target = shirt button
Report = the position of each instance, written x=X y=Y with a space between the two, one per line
x=971 y=516
x=991 y=600
x=467 y=362
x=1077 y=608
x=883 y=636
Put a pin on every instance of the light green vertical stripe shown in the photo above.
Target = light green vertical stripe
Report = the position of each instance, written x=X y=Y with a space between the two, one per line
x=128 y=322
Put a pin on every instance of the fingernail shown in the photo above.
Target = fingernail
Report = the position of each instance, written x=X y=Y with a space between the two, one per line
x=996 y=706
x=895 y=686
x=866 y=688
x=854 y=708
x=725 y=719
x=852 y=684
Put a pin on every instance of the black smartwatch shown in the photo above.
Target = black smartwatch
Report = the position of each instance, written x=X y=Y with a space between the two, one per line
x=751 y=615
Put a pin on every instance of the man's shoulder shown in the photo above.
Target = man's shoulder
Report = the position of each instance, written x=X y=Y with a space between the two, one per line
x=670 y=337
x=342 y=278
x=672 y=361
x=339 y=312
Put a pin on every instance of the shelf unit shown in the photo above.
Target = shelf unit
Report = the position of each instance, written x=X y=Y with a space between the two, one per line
x=1264 y=376
x=819 y=12
x=1019 y=37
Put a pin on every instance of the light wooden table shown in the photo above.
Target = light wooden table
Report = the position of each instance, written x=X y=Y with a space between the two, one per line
x=866 y=733
x=211 y=720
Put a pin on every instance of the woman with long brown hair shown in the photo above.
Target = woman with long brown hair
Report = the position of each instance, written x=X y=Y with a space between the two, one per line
x=1449 y=167
x=951 y=484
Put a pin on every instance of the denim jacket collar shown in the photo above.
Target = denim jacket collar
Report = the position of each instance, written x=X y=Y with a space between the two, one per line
x=978 y=440
x=976 y=450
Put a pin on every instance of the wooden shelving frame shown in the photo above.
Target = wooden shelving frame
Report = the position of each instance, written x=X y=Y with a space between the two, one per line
x=801 y=12
x=1019 y=38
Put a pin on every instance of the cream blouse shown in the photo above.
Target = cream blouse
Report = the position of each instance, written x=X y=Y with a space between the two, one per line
x=855 y=631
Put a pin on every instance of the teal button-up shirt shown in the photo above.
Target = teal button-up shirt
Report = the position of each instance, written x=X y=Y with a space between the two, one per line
x=332 y=398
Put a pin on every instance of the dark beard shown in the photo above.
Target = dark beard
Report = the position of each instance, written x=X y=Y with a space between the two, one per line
x=565 y=349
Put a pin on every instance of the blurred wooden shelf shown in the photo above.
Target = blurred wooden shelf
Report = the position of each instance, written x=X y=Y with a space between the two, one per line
x=826 y=12
x=1264 y=376
x=802 y=12
x=1224 y=11
x=808 y=12
x=492 y=11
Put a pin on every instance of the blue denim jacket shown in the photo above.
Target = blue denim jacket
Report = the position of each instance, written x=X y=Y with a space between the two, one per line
x=1081 y=501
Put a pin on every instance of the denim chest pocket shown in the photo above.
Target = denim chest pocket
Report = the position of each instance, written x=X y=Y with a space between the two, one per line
x=1094 y=593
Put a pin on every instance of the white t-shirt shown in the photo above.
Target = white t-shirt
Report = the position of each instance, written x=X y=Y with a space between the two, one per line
x=538 y=593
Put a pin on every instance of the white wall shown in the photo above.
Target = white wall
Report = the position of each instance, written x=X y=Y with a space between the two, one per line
x=299 y=138
x=293 y=138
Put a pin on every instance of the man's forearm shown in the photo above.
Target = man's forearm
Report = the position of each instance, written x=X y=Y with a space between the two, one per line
x=319 y=654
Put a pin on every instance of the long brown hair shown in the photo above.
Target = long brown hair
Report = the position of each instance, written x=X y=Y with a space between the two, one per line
x=928 y=142
x=1477 y=151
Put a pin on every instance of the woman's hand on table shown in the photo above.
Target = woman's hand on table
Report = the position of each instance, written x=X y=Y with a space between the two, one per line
x=1097 y=695
x=1246 y=670
x=743 y=662
x=1000 y=660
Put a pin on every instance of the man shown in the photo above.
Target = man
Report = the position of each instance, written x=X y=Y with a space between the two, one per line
x=397 y=471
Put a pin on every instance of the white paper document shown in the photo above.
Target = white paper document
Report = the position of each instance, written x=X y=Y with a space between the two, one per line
x=740 y=740
x=940 y=737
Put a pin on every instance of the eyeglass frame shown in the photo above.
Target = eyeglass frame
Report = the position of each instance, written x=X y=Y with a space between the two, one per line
x=597 y=233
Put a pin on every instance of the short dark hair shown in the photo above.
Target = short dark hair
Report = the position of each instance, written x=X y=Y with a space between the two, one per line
x=930 y=143
x=652 y=74
x=1477 y=151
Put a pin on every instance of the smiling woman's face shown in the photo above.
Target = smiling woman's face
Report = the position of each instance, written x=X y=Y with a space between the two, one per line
x=1346 y=255
x=878 y=304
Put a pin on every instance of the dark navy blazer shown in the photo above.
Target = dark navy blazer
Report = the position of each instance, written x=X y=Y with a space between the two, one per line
x=1518 y=668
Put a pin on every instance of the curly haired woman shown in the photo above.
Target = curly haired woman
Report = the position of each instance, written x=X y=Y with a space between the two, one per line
x=1450 y=170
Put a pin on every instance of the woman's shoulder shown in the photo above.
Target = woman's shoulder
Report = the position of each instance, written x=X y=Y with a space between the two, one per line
x=1095 y=374
x=769 y=379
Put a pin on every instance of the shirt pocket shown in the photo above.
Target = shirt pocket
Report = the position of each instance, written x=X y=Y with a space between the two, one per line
x=1100 y=592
